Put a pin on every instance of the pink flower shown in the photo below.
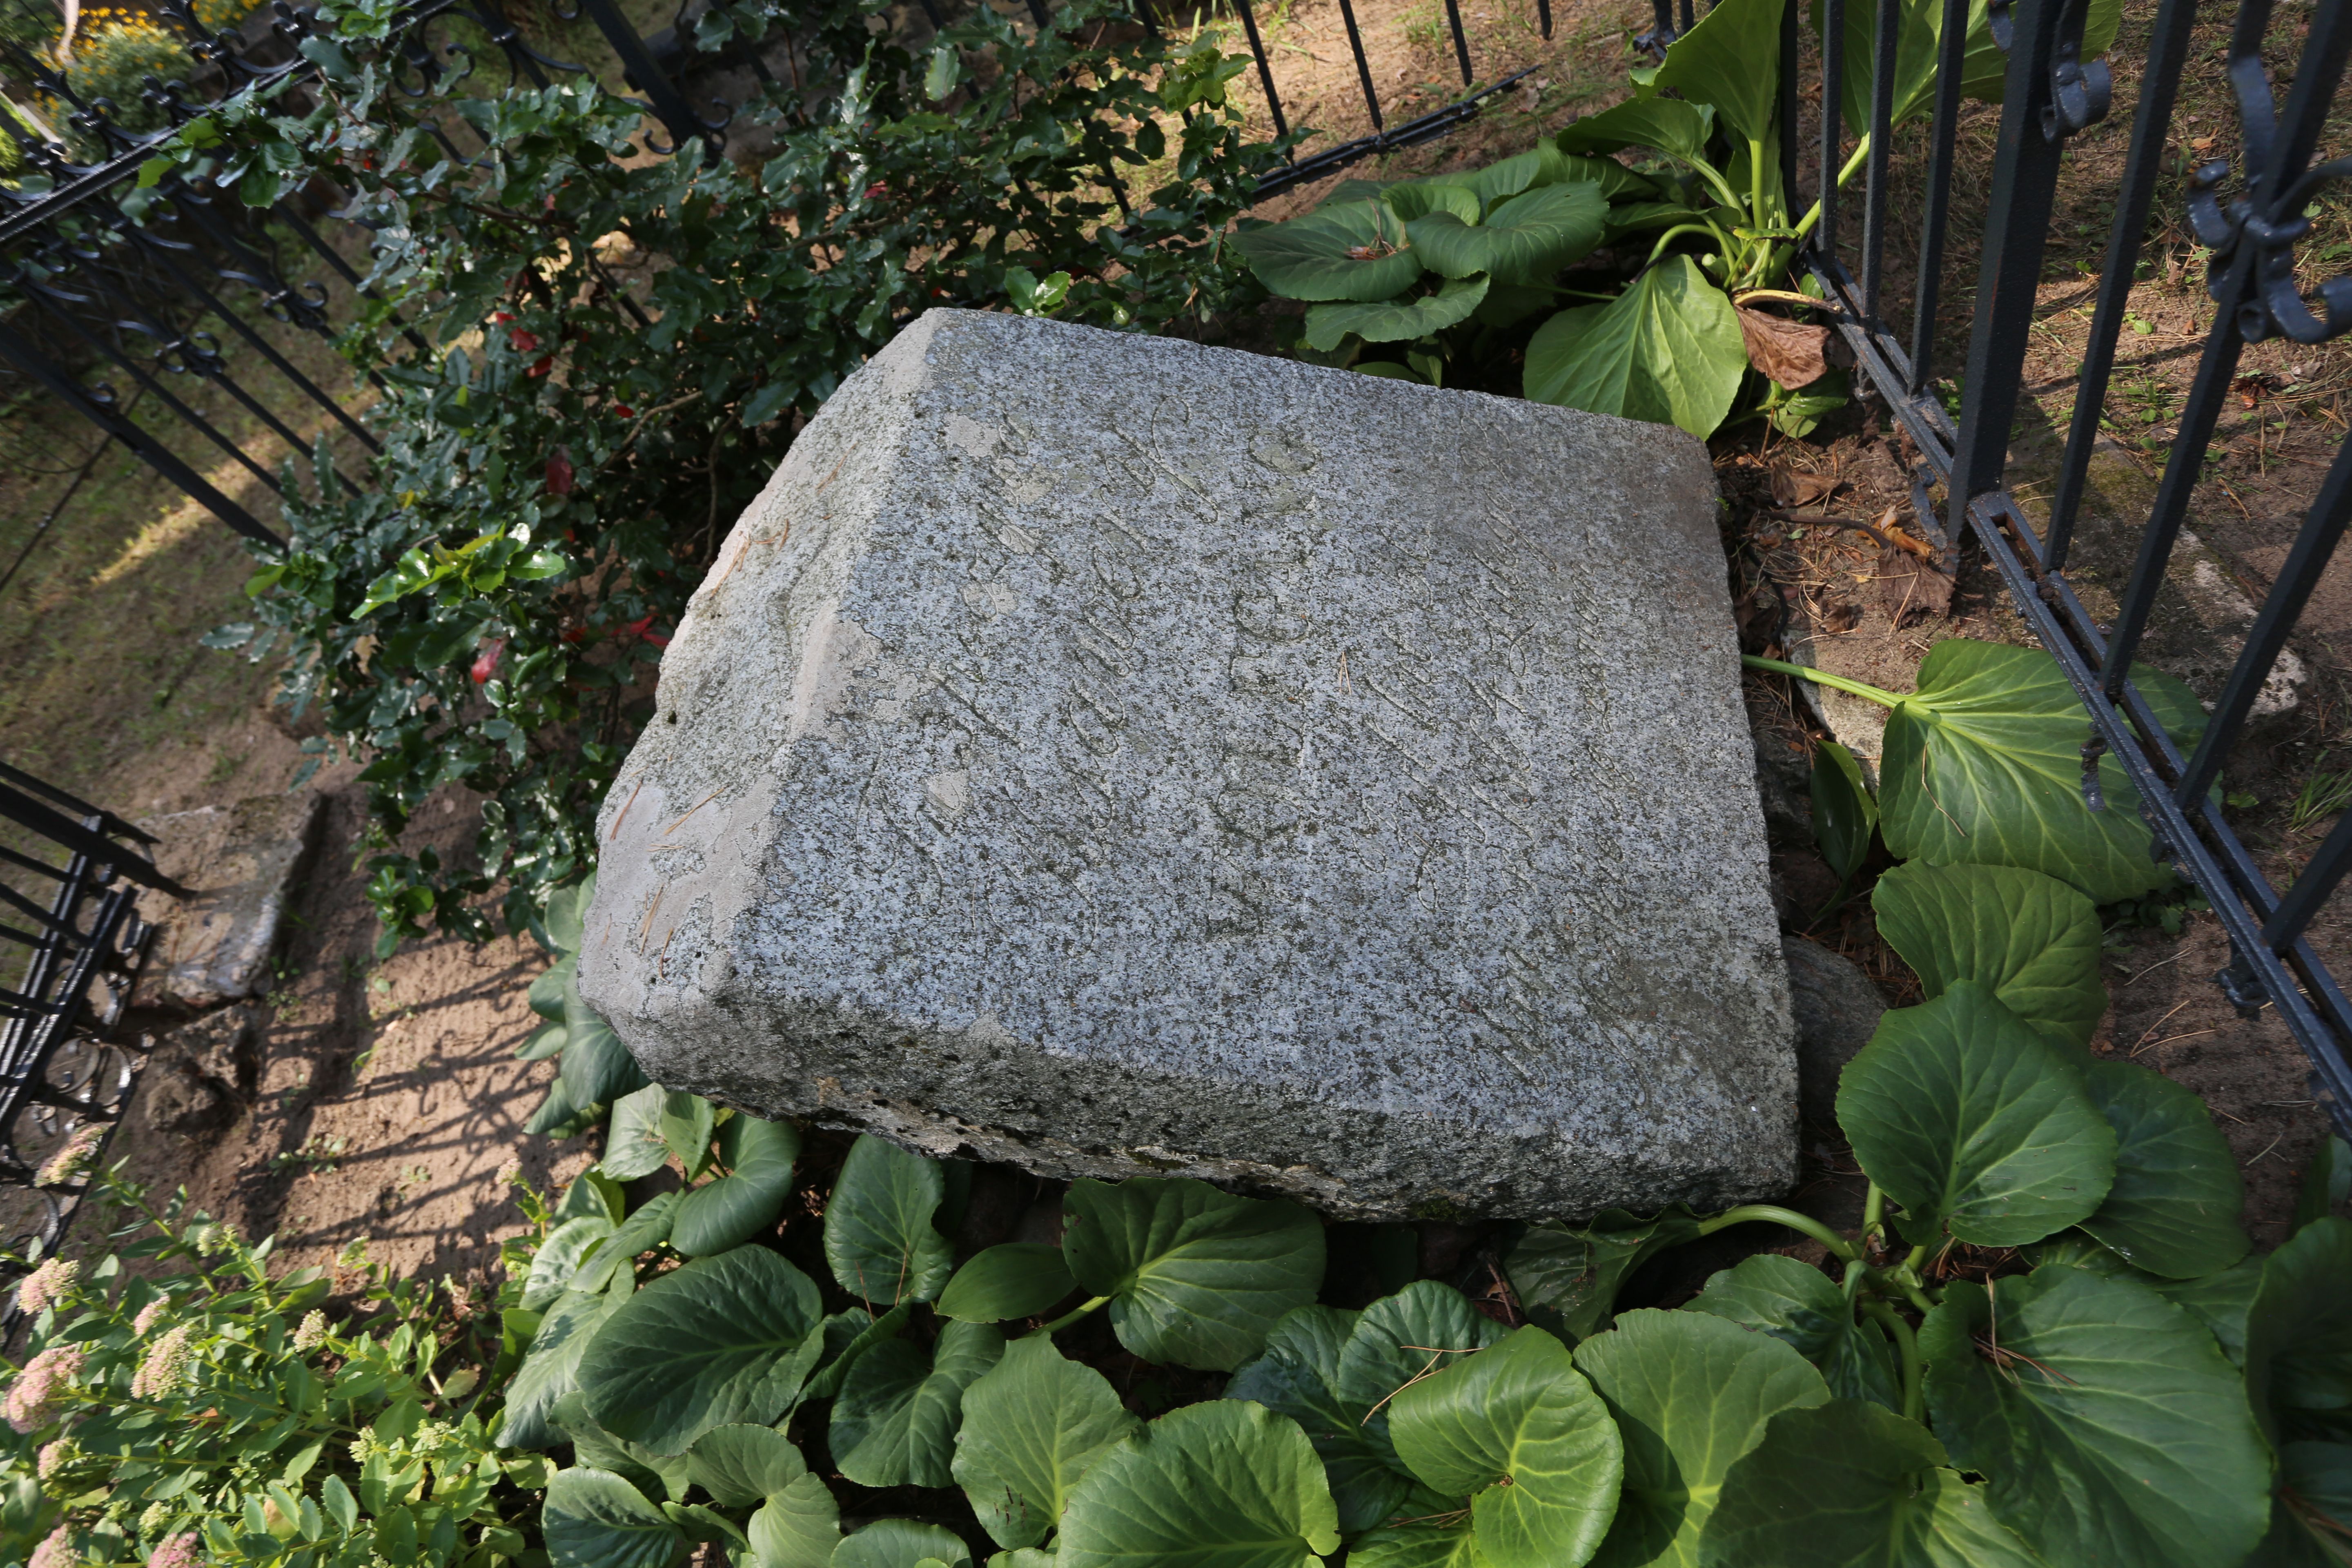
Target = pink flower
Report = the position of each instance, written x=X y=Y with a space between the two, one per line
x=38 y=1393
x=67 y=1163
x=165 y=1366
x=148 y=1315
x=176 y=1552
x=56 y=1550
x=46 y=1286
x=53 y=1457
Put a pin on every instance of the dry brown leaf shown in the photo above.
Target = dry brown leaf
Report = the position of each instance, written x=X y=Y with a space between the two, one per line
x=1840 y=616
x=1793 y=487
x=1893 y=531
x=1912 y=590
x=1788 y=352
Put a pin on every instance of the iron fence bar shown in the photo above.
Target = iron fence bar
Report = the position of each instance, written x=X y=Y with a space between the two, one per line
x=1543 y=19
x=1426 y=127
x=2159 y=88
x=1461 y=43
x=1888 y=24
x=641 y=72
x=1785 y=118
x=21 y=354
x=1943 y=146
x=84 y=839
x=2025 y=170
x=1363 y=66
x=1265 y=69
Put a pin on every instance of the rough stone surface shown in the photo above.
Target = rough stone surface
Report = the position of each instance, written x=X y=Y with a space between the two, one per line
x=1837 y=1011
x=199 y=1076
x=239 y=861
x=1114 y=755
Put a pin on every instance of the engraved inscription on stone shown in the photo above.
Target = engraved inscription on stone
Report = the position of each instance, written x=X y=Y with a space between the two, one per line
x=1117 y=755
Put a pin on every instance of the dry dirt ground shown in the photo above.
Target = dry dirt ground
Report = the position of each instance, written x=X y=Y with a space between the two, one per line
x=389 y=1100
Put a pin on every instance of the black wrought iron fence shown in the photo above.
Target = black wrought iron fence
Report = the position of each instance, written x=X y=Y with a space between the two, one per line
x=69 y=873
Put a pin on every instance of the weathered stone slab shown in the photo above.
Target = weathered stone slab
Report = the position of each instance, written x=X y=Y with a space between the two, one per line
x=1114 y=755
x=239 y=862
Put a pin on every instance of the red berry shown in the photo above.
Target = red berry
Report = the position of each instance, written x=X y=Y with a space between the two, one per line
x=486 y=662
x=559 y=473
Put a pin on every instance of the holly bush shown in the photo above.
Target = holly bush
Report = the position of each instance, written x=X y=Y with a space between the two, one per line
x=591 y=356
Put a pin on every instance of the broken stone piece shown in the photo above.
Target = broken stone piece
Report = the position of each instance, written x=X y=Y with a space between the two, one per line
x=240 y=862
x=198 y=1076
x=1114 y=756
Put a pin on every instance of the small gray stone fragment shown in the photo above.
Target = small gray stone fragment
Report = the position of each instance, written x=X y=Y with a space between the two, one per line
x=1116 y=756
x=240 y=863
x=198 y=1076
x=1837 y=1010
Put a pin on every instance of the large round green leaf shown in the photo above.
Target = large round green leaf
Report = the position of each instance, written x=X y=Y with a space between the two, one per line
x=2311 y=1516
x=849 y=1335
x=1225 y=1484
x=1401 y=319
x=878 y=1224
x=1445 y=1542
x=1419 y=198
x=646 y=1227
x=2029 y=938
x=798 y=1526
x=546 y=994
x=2299 y=1334
x=1399 y=1340
x=559 y=1257
x=1691 y=1394
x=2219 y=1301
x=1016 y=1280
x=1519 y=1432
x=1196 y=1276
x=1349 y=250
x=596 y=1067
x=1974 y=1123
x=686 y=1124
x=744 y=1202
x=1668 y=350
x=551 y=1369
x=567 y=907
x=1298 y=1376
x=1800 y=1307
x=742 y=1465
x=721 y=1340
x=901 y=1543
x=1567 y=1278
x=1032 y=1427
x=1983 y=765
x=895 y=1422
x=1847 y=1485
x=662 y=1475
x=1525 y=240
x=1670 y=125
x=633 y=1140
x=2173 y=1209
x=1731 y=59
x=593 y=1518
x=2107 y=1424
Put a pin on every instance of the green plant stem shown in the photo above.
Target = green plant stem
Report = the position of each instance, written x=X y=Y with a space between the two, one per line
x=1874 y=1211
x=1072 y=1316
x=1824 y=677
x=1756 y=181
x=1851 y=164
x=1705 y=228
x=1771 y=1214
x=1906 y=1347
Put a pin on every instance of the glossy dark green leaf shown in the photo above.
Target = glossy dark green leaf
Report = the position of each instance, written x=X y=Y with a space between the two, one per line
x=740 y=1466
x=1224 y=1484
x=1668 y=350
x=658 y=1476
x=721 y=1340
x=1975 y=1124
x=557 y=1117
x=1567 y=1278
x=798 y=1526
x=1032 y=1427
x=2299 y=1335
x=1400 y=1339
x=1401 y=319
x=592 y=1193
x=1668 y=125
x=1731 y=59
x=1983 y=765
x=546 y=994
x=2174 y=1207
x=559 y=1257
x=901 y=1543
x=1525 y=240
x=1618 y=183
x=1803 y=1309
x=848 y=1337
x=646 y=1227
x=1194 y=1276
x=552 y=1369
x=1845 y=813
x=1016 y=1280
x=1348 y=250
x=895 y=1422
x=597 y=1069
x=686 y=1124
x=543 y=1042
x=1848 y=1485
x=2107 y=1423
x=1413 y=199
x=2219 y=1301
x=1519 y=1431
x=1691 y=1394
x=1298 y=1376
x=593 y=1518
x=2029 y=938
x=2311 y=1513
x=566 y=909
x=2326 y=1182
x=878 y=1236
x=757 y=1156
